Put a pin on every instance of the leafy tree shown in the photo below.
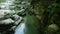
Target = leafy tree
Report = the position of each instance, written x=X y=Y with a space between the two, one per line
x=43 y=18
x=2 y=0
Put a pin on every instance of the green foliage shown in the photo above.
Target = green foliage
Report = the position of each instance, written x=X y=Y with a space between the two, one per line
x=2 y=1
x=17 y=11
x=49 y=11
x=32 y=24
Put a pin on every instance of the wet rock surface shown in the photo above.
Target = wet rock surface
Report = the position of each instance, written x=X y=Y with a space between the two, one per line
x=8 y=18
x=12 y=13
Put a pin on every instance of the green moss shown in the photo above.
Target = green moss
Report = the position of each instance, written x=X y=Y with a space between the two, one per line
x=17 y=11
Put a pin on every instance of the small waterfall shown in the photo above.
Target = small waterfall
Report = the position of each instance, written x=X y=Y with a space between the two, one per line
x=20 y=29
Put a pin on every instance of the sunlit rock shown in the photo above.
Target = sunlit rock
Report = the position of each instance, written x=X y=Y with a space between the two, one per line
x=23 y=2
x=12 y=7
x=53 y=27
x=18 y=20
x=1 y=15
x=2 y=7
x=16 y=17
x=22 y=13
x=22 y=10
x=8 y=16
x=7 y=21
x=6 y=13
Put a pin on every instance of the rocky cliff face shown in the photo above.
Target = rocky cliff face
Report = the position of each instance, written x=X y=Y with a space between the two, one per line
x=9 y=20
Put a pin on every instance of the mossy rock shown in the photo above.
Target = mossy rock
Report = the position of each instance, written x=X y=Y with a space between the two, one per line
x=53 y=27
